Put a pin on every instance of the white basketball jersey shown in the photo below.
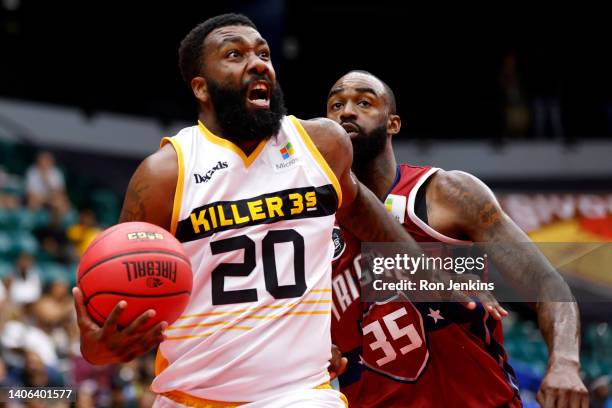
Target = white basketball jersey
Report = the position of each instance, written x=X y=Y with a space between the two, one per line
x=258 y=232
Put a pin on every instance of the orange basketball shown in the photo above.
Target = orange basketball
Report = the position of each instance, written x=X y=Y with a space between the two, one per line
x=140 y=263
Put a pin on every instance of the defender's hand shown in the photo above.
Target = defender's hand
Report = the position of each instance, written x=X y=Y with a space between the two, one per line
x=108 y=344
x=466 y=297
x=337 y=363
x=562 y=388
x=490 y=304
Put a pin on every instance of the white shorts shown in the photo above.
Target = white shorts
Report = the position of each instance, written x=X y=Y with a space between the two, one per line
x=314 y=398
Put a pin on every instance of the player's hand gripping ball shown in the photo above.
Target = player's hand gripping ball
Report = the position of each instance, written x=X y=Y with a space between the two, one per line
x=140 y=263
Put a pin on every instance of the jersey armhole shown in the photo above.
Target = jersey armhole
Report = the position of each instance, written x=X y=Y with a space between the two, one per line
x=422 y=224
x=178 y=192
x=420 y=202
x=316 y=154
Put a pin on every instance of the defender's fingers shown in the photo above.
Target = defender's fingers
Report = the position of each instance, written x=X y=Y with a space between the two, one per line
x=464 y=299
x=343 y=365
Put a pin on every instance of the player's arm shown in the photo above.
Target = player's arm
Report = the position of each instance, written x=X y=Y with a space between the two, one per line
x=361 y=212
x=149 y=198
x=150 y=193
x=466 y=206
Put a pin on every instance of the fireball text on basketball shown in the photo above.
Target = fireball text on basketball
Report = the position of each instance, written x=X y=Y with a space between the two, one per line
x=142 y=269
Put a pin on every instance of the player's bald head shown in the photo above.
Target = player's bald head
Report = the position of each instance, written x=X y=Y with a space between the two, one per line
x=367 y=82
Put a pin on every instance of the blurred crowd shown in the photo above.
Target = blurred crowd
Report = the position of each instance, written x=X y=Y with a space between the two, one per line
x=42 y=236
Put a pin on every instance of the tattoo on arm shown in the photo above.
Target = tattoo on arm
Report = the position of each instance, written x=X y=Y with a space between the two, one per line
x=520 y=262
x=368 y=220
x=134 y=205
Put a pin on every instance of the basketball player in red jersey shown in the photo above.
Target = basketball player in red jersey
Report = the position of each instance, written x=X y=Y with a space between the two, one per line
x=424 y=354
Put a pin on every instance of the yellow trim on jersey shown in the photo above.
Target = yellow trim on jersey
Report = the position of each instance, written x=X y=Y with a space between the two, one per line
x=316 y=154
x=191 y=336
x=327 y=386
x=299 y=312
x=195 y=402
x=228 y=327
x=178 y=193
x=254 y=309
x=191 y=326
x=231 y=146
x=160 y=362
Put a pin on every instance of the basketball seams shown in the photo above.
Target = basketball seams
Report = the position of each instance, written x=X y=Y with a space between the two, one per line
x=97 y=240
x=125 y=225
x=157 y=251
x=128 y=295
x=96 y=311
x=100 y=273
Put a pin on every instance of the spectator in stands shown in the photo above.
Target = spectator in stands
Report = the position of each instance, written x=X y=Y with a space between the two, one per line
x=33 y=372
x=82 y=233
x=20 y=335
x=4 y=381
x=10 y=188
x=52 y=238
x=55 y=307
x=23 y=283
x=5 y=306
x=54 y=314
x=86 y=396
x=45 y=183
x=2 y=297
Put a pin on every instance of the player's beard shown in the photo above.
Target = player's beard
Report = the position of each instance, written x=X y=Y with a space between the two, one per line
x=234 y=118
x=368 y=145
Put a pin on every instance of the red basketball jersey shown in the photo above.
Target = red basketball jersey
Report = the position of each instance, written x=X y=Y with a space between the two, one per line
x=415 y=355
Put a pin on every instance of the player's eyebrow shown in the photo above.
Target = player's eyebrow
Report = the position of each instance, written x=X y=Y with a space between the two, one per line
x=240 y=39
x=359 y=90
x=334 y=92
x=261 y=41
x=232 y=39
x=366 y=90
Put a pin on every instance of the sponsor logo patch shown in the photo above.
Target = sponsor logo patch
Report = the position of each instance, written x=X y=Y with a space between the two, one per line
x=205 y=178
x=339 y=243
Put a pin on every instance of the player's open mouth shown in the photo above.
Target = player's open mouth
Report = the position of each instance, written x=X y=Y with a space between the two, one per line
x=258 y=95
x=351 y=129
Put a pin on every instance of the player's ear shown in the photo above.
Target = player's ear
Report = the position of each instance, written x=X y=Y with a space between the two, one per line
x=394 y=124
x=199 y=86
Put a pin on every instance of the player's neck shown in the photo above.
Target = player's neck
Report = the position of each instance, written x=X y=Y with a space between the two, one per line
x=212 y=124
x=378 y=174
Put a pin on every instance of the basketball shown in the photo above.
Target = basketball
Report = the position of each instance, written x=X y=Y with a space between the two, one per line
x=140 y=263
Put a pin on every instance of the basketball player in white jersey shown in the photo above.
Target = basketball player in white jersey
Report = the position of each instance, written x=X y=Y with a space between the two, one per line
x=252 y=194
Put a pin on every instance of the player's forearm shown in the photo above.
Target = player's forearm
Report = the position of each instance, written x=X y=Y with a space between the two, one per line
x=368 y=220
x=560 y=326
x=523 y=265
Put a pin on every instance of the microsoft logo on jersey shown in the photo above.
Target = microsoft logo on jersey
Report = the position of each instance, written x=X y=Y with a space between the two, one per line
x=389 y=204
x=289 y=158
x=287 y=151
x=396 y=205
